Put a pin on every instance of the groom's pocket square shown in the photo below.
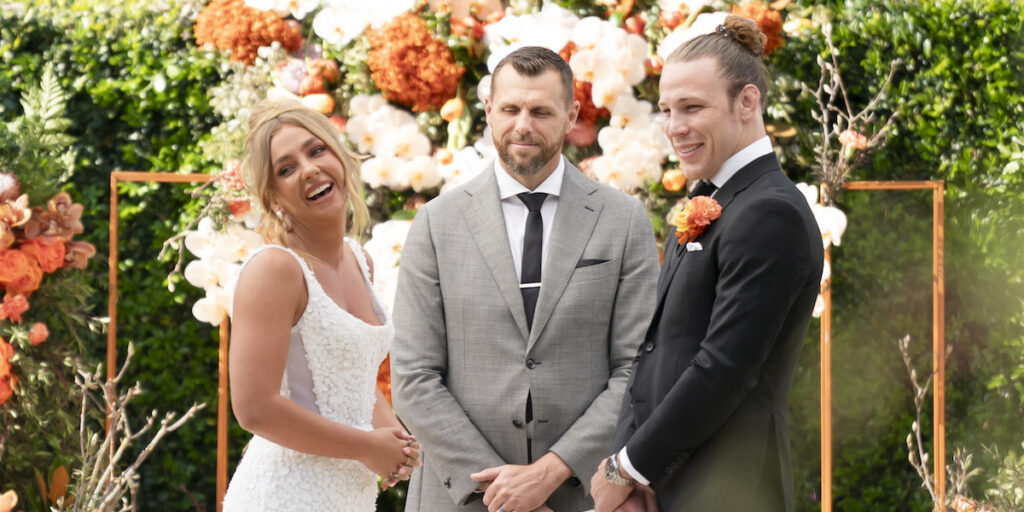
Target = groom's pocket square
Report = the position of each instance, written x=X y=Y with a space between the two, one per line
x=694 y=246
x=588 y=263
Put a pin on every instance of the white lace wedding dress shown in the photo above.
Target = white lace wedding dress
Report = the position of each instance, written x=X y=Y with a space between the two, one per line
x=332 y=370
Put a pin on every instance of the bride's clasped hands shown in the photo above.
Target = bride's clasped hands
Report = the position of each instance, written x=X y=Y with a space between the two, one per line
x=391 y=453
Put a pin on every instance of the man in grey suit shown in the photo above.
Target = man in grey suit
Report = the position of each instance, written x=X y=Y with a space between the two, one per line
x=516 y=324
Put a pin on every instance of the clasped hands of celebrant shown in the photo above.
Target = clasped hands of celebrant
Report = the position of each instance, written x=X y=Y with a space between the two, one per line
x=522 y=488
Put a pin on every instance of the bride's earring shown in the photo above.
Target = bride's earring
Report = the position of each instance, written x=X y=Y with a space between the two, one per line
x=280 y=217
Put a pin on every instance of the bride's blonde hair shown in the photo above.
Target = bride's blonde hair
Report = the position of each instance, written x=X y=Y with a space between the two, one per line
x=267 y=118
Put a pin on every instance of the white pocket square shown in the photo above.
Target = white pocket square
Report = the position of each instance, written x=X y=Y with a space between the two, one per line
x=694 y=246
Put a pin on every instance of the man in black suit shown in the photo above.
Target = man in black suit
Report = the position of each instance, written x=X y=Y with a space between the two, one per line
x=704 y=421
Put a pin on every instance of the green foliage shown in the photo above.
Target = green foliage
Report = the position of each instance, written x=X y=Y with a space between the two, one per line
x=139 y=100
x=960 y=100
x=40 y=422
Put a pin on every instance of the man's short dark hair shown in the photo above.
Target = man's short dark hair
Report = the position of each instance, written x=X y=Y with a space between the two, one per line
x=534 y=61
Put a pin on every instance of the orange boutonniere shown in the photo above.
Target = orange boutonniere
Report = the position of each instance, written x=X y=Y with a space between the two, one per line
x=695 y=218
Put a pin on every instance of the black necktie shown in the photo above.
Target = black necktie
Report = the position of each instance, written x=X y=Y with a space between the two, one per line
x=533 y=242
x=703 y=188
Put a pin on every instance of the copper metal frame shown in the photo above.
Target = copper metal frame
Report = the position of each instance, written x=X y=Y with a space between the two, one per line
x=938 y=344
x=938 y=332
x=222 y=364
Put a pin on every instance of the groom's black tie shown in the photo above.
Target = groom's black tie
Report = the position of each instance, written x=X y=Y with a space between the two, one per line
x=703 y=188
x=533 y=243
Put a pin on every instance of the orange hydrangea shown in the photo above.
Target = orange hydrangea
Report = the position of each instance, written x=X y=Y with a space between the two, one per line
x=13 y=306
x=695 y=217
x=18 y=272
x=410 y=66
x=50 y=256
x=232 y=25
x=768 y=20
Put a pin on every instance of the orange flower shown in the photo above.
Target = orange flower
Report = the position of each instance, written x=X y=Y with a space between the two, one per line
x=239 y=207
x=60 y=220
x=452 y=109
x=6 y=236
x=411 y=66
x=384 y=378
x=6 y=353
x=767 y=19
x=673 y=180
x=13 y=306
x=38 y=333
x=7 y=379
x=231 y=25
x=15 y=212
x=18 y=272
x=695 y=218
x=6 y=390
x=581 y=92
x=50 y=256
x=78 y=254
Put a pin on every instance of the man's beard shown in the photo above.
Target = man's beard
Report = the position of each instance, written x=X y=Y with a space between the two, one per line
x=532 y=165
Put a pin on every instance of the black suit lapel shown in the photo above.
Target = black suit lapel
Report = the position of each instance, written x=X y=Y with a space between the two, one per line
x=739 y=181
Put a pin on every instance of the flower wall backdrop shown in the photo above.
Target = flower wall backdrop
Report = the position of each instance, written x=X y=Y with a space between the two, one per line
x=405 y=83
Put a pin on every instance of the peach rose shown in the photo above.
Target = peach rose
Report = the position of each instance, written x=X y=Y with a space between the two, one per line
x=695 y=218
x=50 y=256
x=13 y=306
x=38 y=333
x=18 y=272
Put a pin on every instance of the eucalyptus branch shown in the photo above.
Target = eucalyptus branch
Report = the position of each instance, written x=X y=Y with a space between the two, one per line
x=837 y=119
x=102 y=486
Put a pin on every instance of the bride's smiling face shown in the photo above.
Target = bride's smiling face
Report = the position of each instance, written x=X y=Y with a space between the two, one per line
x=307 y=177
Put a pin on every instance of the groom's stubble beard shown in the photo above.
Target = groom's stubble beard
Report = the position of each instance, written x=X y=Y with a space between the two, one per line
x=528 y=166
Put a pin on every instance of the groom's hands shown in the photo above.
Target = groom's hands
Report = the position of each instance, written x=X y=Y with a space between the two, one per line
x=518 y=488
x=609 y=497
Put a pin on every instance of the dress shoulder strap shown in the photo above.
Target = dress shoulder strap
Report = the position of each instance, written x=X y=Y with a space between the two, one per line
x=360 y=257
x=306 y=271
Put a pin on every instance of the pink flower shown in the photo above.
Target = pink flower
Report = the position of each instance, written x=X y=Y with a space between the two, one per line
x=853 y=139
x=38 y=333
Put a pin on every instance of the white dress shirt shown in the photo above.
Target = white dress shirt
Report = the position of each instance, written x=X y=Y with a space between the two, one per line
x=730 y=167
x=515 y=211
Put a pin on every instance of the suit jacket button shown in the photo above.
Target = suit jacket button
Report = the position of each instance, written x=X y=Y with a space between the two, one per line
x=531 y=364
x=517 y=423
x=649 y=346
x=448 y=482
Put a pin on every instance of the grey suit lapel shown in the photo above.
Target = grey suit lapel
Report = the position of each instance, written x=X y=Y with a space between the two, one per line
x=575 y=219
x=482 y=210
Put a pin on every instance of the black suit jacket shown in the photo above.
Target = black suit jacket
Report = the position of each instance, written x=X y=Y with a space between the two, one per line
x=704 y=417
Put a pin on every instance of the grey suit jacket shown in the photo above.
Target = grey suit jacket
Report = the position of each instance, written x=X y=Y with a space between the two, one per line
x=463 y=360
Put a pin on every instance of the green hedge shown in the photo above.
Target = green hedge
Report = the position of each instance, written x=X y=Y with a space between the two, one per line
x=958 y=89
x=112 y=58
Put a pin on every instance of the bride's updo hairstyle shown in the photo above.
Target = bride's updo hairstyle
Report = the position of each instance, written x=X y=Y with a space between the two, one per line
x=267 y=118
x=737 y=44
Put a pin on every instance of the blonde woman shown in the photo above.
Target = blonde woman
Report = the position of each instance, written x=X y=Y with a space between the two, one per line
x=308 y=334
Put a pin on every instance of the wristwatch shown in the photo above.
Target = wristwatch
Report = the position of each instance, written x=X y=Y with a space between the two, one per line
x=612 y=474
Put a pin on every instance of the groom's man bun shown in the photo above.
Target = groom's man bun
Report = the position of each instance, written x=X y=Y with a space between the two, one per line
x=737 y=44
